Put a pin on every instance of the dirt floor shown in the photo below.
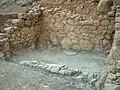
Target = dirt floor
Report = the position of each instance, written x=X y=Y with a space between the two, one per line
x=85 y=61
x=14 y=76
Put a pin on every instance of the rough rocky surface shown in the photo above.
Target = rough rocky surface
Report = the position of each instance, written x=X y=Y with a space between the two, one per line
x=77 y=31
x=17 y=77
x=44 y=26
x=111 y=81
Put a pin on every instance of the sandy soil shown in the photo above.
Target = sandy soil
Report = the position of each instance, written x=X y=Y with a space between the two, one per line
x=14 y=76
x=85 y=61
x=17 y=77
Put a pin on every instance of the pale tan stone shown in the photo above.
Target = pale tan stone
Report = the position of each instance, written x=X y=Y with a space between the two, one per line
x=77 y=18
x=105 y=42
x=59 y=25
x=22 y=16
x=117 y=25
x=75 y=41
x=66 y=43
x=67 y=28
x=8 y=29
x=25 y=30
x=63 y=15
x=112 y=87
x=110 y=29
x=85 y=45
x=56 y=41
x=108 y=37
x=16 y=22
x=70 y=22
x=71 y=35
x=1 y=54
x=28 y=22
x=117 y=19
x=76 y=47
x=105 y=22
x=96 y=22
x=82 y=23
x=6 y=47
x=111 y=13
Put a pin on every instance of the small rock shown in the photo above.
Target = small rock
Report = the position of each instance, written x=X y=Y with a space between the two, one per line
x=55 y=41
x=1 y=55
x=8 y=29
x=117 y=74
x=117 y=25
x=111 y=13
x=66 y=43
x=93 y=81
x=112 y=87
x=111 y=76
x=117 y=19
x=70 y=53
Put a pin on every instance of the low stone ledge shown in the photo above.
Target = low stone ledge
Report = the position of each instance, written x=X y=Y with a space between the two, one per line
x=9 y=15
x=117 y=25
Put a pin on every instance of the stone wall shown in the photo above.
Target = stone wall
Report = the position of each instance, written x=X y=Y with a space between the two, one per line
x=80 y=32
x=59 y=26
x=113 y=60
x=22 y=32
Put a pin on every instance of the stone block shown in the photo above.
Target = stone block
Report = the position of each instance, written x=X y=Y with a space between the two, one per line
x=105 y=42
x=28 y=22
x=55 y=41
x=111 y=76
x=112 y=87
x=70 y=21
x=17 y=22
x=1 y=55
x=66 y=43
x=8 y=29
x=105 y=22
x=117 y=25
x=86 y=45
x=22 y=16
x=25 y=30
x=113 y=8
x=111 y=13
x=117 y=19
x=117 y=14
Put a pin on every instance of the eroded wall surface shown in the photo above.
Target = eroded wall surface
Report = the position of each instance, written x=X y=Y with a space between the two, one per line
x=74 y=30
x=20 y=32
x=69 y=24
x=113 y=60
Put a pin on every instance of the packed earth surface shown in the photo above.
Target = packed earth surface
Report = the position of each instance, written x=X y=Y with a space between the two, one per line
x=90 y=62
x=15 y=76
